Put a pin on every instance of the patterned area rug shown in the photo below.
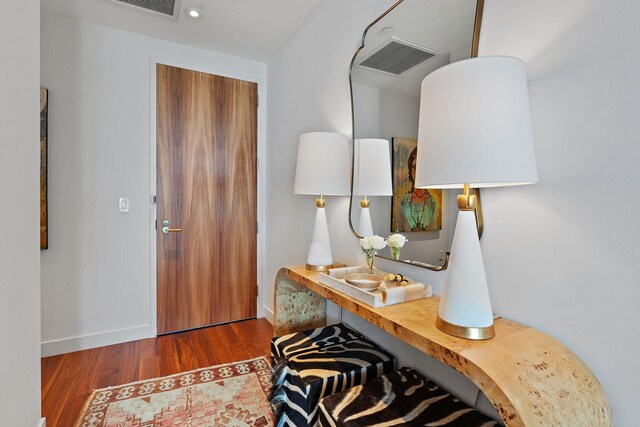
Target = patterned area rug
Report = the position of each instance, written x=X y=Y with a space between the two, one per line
x=225 y=395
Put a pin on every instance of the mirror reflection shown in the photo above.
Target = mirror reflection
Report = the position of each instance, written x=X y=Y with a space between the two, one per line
x=411 y=40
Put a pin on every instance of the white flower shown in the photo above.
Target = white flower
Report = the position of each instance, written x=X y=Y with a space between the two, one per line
x=396 y=241
x=372 y=243
x=364 y=243
x=378 y=242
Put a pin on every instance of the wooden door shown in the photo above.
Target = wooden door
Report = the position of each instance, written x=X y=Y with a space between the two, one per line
x=206 y=186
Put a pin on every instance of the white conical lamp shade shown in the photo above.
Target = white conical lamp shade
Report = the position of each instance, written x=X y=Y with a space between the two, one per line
x=323 y=164
x=372 y=168
x=475 y=125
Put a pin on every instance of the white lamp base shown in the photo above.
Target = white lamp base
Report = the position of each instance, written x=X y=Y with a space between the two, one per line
x=319 y=257
x=465 y=308
x=365 y=226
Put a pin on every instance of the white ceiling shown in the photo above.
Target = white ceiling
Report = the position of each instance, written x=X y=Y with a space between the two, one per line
x=253 y=29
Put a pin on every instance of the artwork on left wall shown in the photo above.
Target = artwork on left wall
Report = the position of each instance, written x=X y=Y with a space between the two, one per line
x=44 y=214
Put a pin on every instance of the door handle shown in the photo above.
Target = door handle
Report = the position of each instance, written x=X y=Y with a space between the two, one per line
x=167 y=230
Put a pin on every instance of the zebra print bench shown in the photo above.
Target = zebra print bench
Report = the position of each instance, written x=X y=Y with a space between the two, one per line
x=318 y=363
x=403 y=397
x=299 y=342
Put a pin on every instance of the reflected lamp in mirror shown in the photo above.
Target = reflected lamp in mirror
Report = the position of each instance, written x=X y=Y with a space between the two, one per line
x=371 y=176
x=474 y=132
x=322 y=169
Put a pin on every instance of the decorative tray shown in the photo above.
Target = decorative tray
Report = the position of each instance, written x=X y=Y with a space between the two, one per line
x=387 y=293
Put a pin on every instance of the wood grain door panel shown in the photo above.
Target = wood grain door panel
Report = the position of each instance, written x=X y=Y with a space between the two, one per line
x=206 y=185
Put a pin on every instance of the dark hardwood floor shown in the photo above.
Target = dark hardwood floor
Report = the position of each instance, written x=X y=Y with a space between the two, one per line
x=68 y=379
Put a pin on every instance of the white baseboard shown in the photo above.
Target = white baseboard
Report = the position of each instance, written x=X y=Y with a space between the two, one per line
x=67 y=345
x=43 y=422
x=268 y=314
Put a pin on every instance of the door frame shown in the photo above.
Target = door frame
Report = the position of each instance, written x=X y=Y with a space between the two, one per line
x=261 y=153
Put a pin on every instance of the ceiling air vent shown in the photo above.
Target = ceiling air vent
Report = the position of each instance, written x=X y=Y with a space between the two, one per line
x=397 y=56
x=164 y=7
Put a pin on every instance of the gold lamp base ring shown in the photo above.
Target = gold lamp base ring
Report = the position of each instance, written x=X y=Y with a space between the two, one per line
x=318 y=268
x=467 y=332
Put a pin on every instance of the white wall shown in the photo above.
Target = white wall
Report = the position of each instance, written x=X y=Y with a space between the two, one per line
x=560 y=255
x=19 y=215
x=98 y=277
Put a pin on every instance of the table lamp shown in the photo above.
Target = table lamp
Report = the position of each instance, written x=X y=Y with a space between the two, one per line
x=322 y=169
x=474 y=132
x=371 y=176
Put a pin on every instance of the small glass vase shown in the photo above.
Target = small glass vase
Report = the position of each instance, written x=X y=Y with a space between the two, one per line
x=395 y=253
x=370 y=259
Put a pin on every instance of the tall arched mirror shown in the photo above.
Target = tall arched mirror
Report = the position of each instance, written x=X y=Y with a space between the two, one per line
x=410 y=40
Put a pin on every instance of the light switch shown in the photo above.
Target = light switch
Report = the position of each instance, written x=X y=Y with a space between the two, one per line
x=123 y=204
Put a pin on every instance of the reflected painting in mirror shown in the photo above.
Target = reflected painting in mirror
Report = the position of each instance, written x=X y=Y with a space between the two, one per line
x=412 y=209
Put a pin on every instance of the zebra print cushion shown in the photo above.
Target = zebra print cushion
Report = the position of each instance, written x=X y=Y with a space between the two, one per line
x=299 y=342
x=316 y=368
x=403 y=397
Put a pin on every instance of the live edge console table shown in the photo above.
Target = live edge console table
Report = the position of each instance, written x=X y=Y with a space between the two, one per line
x=530 y=377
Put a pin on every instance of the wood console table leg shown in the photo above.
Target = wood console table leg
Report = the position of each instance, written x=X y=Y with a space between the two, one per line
x=296 y=308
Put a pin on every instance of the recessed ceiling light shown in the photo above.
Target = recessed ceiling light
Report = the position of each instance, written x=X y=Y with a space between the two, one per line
x=193 y=13
x=387 y=30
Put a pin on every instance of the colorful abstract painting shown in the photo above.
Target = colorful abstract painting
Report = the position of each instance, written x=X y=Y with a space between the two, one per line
x=44 y=214
x=413 y=209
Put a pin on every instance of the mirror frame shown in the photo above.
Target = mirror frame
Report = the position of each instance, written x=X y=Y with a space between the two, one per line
x=474 y=53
